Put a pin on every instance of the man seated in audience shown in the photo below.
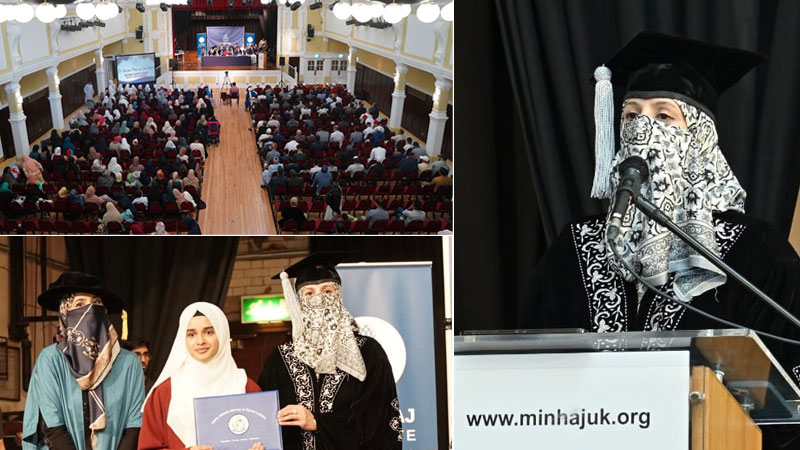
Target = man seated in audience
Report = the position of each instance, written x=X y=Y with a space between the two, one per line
x=296 y=139
x=322 y=179
x=273 y=122
x=410 y=214
x=337 y=136
x=323 y=135
x=356 y=136
x=234 y=92
x=399 y=137
x=278 y=179
x=376 y=214
x=317 y=145
x=266 y=176
x=295 y=180
x=355 y=167
x=408 y=165
x=292 y=212
x=377 y=154
x=409 y=144
x=292 y=122
x=440 y=164
x=197 y=145
x=418 y=151
x=424 y=164
x=442 y=179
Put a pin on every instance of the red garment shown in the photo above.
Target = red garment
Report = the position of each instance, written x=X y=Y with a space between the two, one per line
x=155 y=433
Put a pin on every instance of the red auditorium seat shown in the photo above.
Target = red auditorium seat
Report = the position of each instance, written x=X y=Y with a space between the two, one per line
x=115 y=228
x=186 y=207
x=349 y=205
x=91 y=208
x=432 y=226
x=325 y=226
x=359 y=226
x=396 y=203
x=30 y=226
x=378 y=227
x=171 y=209
x=63 y=227
x=61 y=206
x=81 y=227
x=364 y=205
x=414 y=227
x=149 y=227
x=317 y=208
x=171 y=226
x=155 y=209
x=444 y=208
x=309 y=226
x=290 y=226
x=395 y=226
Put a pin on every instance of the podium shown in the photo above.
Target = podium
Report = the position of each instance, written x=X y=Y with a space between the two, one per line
x=697 y=389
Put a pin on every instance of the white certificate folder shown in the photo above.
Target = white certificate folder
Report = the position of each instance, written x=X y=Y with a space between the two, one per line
x=236 y=422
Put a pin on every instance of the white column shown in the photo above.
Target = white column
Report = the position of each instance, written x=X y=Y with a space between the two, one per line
x=351 y=69
x=100 y=73
x=19 y=129
x=438 y=116
x=56 y=110
x=398 y=96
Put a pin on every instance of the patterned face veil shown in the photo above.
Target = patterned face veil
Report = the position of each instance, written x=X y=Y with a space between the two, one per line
x=89 y=344
x=323 y=330
x=689 y=176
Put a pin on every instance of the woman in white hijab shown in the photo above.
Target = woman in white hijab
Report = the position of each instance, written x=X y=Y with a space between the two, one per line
x=114 y=167
x=199 y=365
x=123 y=145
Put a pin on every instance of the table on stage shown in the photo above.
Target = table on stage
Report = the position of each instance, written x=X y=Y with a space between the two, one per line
x=242 y=60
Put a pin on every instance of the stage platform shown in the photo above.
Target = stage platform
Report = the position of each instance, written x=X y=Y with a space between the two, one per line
x=214 y=78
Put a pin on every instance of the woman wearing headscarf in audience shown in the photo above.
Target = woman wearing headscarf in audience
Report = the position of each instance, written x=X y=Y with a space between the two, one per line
x=167 y=127
x=200 y=364
x=115 y=144
x=175 y=181
x=91 y=197
x=72 y=166
x=117 y=114
x=93 y=130
x=56 y=152
x=123 y=128
x=123 y=144
x=137 y=230
x=35 y=153
x=106 y=180
x=191 y=225
x=136 y=166
x=170 y=145
x=101 y=145
x=114 y=167
x=74 y=198
x=178 y=196
x=127 y=216
x=54 y=140
x=161 y=230
x=150 y=168
x=132 y=181
x=172 y=136
x=33 y=169
x=160 y=181
x=191 y=180
x=68 y=145
x=98 y=166
x=183 y=155
x=111 y=215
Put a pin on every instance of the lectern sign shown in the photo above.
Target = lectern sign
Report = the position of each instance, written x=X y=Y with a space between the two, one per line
x=576 y=401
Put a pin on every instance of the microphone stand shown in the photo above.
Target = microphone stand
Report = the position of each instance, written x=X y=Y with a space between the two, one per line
x=652 y=211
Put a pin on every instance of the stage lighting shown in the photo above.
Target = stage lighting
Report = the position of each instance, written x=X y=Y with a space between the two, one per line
x=140 y=7
x=352 y=22
x=163 y=7
x=230 y=4
x=316 y=5
x=295 y=6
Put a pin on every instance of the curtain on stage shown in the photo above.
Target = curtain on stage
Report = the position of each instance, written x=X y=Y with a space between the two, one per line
x=186 y=24
x=532 y=98
x=157 y=279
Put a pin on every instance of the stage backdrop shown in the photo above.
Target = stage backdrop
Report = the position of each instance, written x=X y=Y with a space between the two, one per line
x=393 y=303
x=224 y=35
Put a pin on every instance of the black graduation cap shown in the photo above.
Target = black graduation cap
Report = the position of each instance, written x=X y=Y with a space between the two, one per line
x=317 y=267
x=661 y=65
x=71 y=282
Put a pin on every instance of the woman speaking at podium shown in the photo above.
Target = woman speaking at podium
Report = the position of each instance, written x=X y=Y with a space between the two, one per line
x=671 y=88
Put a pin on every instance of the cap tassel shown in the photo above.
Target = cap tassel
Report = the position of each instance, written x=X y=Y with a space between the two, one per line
x=294 y=305
x=604 y=133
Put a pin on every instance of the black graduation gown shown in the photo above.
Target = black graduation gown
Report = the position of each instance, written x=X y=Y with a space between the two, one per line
x=350 y=414
x=574 y=287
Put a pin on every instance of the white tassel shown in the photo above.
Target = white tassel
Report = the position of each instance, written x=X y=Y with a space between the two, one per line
x=294 y=305
x=604 y=133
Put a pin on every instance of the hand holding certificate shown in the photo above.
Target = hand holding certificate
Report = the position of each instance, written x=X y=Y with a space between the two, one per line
x=239 y=422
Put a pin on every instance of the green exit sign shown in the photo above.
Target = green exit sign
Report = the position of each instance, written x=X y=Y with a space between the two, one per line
x=316 y=55
x=264 y=308
x=341 y=55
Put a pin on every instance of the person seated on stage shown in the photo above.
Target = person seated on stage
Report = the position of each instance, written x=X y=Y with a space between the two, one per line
x=335 y=384
x=200 y=364
x=668 y=120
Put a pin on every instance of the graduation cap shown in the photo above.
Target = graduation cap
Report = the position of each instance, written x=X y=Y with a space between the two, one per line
x=72 y=282
x=317 y=267
x=658 y=65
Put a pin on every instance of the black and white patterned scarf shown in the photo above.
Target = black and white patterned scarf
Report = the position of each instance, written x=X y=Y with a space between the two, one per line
x=689 y=180
x=89 y=344
x=327 y=340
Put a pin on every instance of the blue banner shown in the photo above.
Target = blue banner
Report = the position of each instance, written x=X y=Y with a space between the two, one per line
x=224 y=35
x=249 y=39
x=202 y=48
x=393 y=303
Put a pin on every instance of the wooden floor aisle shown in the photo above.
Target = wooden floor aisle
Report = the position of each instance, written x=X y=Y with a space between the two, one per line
x=231 y=188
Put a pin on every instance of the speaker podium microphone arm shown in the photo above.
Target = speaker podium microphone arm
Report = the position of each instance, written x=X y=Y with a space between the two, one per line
x=652 y=211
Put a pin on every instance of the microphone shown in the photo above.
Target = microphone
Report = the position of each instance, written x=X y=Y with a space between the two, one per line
x=632 y=173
